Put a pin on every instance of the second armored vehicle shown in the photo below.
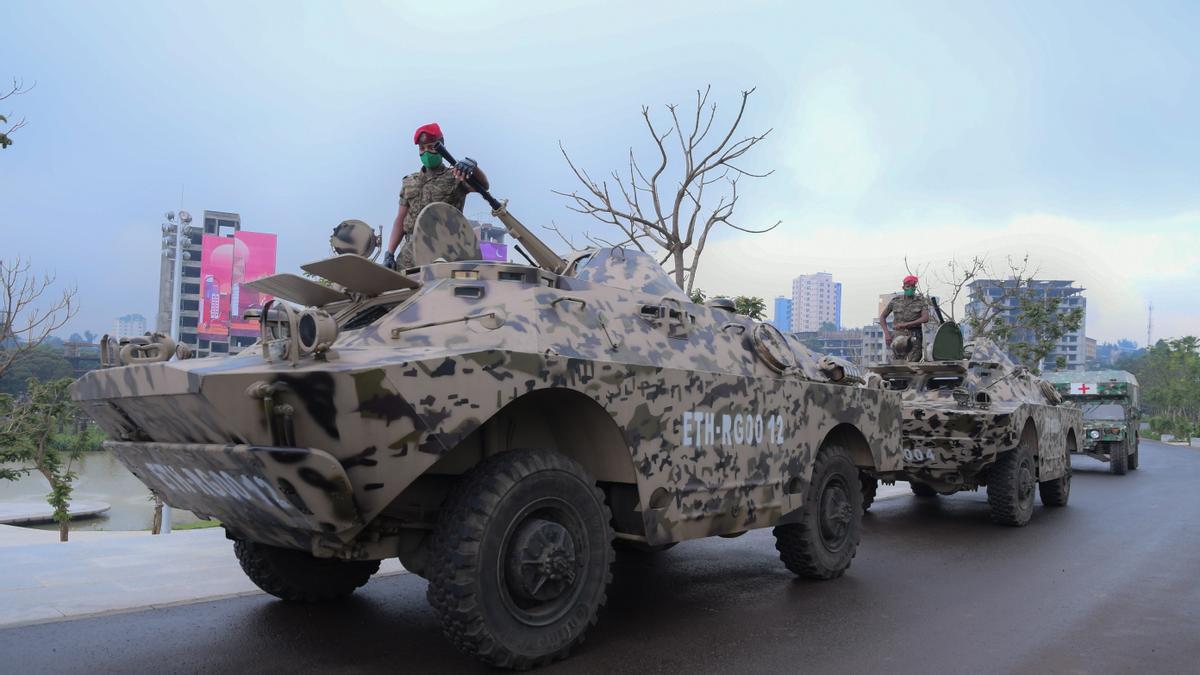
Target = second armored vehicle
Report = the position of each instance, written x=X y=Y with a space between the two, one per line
x=974 y=419
x=496 y=426
x=1109 y=401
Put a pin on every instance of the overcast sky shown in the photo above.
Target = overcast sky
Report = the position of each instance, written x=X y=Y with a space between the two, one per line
x=927 y=130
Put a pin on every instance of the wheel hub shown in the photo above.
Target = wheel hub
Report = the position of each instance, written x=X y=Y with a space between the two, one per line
x=836 y=513
x=541 y=561
x=1025 y=483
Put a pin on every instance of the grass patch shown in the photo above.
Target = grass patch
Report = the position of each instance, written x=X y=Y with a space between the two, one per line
x=198 y=525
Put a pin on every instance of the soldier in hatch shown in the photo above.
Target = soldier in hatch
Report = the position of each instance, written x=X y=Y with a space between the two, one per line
x=435 y=182
x=910 y=311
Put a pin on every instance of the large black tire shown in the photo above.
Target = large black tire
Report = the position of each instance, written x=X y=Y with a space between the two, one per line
x=822 y=543
x=1010 y=487
x=1118 y=458
x=520 y=559
x=870 y=487
x=1133 y=456
x=296 y=576
x=921 y=489
x=1056 y=492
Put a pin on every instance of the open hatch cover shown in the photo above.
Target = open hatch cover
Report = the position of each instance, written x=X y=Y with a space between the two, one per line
x=359 y=275
x=297 y=289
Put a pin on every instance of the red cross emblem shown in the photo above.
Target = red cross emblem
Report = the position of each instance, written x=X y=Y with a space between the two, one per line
x=1083 y=389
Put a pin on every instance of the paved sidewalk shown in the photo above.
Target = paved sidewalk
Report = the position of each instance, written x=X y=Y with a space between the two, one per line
x=44 y=580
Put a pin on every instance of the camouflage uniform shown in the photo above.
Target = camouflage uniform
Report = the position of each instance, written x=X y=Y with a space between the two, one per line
x=420 y=189
x=905 y=309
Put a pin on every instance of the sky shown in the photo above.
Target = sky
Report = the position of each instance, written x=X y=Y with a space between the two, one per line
x=919 y=132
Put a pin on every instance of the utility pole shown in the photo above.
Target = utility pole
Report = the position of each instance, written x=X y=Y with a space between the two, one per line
x=1149 y=322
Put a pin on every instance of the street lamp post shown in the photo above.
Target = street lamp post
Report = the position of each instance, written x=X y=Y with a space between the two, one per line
x=177 y=231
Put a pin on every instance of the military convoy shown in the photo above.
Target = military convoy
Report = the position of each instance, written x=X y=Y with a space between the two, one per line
x=496 y=426
x=974 y=419
x=1109 y=402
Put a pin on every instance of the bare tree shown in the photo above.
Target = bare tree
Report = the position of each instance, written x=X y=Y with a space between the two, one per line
x=667 y=208
x=8 y=128
x=29 y=313
x=1012 y=308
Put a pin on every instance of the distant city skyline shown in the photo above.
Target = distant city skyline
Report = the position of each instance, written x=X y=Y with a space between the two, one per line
x=902 y=136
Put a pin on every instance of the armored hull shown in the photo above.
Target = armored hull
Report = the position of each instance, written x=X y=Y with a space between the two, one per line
x=963 y=416
x=375 y=422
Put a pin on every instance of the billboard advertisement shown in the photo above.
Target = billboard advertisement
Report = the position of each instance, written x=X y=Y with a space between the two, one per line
x=226 y=263
x=253 y=258
x=216 y=263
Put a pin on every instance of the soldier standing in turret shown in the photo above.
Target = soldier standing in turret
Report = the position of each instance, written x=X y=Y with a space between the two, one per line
x=911 y=311
x=435 y=182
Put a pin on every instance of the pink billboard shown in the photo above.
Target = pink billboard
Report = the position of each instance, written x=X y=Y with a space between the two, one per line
x=253 y=258
x=226 y=263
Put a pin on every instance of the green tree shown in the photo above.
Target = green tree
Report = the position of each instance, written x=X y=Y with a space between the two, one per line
x=746 y=305
x=44 y=363
x=751 y=306
x=828 y=326
x=1023 y=317
x=1169 y=375
x=29 y=442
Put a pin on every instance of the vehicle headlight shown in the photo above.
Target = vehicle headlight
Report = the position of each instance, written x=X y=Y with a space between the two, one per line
x=317 y=330
x=1094 y=433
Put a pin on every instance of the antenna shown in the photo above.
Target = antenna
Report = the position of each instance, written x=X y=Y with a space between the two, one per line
x=1149 y=322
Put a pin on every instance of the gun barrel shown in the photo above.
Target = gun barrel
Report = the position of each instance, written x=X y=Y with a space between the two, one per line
x=545 y=256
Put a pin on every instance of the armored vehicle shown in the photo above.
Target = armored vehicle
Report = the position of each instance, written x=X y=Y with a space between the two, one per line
x=496 y=426
x=972 y=418
x=1109 y=401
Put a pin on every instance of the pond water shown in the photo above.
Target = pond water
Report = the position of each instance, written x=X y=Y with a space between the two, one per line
x=104 y=479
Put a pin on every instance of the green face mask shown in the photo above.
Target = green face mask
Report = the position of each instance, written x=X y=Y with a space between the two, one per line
x=431 y=160
x=909 y=292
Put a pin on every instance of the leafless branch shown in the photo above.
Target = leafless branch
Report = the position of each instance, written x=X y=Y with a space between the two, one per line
x=25 y=319
x=673 y=204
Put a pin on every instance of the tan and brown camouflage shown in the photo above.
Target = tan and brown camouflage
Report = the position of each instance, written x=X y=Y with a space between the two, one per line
x=420 y=189
x=961 y=414
x=695 y=421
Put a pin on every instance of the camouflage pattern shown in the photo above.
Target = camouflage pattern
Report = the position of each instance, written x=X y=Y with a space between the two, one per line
x=1094 y=392
x=903 y=310
x=607 y=362
x=960 y=415
x=442 y=232
x=418 y=190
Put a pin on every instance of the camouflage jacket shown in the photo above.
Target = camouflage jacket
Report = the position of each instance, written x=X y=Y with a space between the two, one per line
x=426 y=186
x=904 y=310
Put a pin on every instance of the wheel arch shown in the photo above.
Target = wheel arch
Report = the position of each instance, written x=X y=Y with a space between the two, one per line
x=849 y=437
x=559 y=419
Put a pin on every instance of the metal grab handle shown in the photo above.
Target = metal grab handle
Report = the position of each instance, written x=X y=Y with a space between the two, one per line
x=569 y=298
x=733 y=324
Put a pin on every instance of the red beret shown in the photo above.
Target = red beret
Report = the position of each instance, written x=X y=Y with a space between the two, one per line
x=910 y=279
x=432 y=129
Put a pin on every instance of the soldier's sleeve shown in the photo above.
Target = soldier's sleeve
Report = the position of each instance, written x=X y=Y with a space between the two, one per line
x=404 y=185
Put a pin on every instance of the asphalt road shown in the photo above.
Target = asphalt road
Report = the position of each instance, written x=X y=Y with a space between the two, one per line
x=1106 y=585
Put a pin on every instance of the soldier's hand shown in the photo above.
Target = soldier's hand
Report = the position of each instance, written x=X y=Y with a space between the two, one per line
x=389 y=260
x=887 y=340
x=465 y=168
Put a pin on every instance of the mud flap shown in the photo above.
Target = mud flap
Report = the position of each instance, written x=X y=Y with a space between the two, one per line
x=270 y=492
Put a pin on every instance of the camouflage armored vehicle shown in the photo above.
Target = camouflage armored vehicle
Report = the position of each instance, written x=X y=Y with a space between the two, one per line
x=972 y=418
x=496 y=426
x=1109 y=401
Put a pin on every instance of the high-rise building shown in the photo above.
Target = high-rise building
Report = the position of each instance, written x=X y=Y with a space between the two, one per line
x=130 y=325
x=783 y=314
x=873 y=347
x=1000 y=293
x=816 y=300
x=216 y=223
